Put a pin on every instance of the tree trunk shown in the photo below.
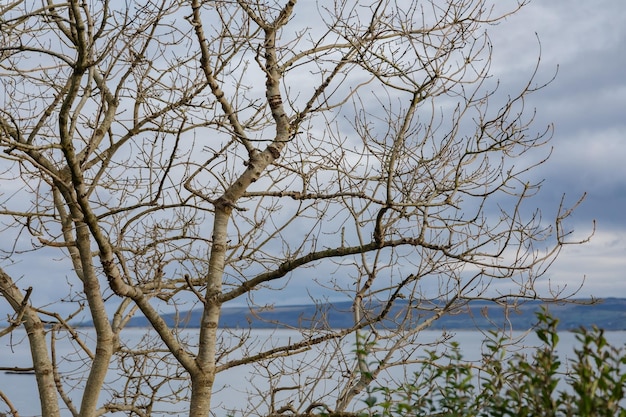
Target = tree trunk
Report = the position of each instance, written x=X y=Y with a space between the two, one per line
x=42 y=365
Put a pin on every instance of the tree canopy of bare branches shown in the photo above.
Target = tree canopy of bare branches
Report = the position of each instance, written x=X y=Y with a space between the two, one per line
x=169 y=155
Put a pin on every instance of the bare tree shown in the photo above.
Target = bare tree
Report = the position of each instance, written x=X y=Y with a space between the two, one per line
x=173 y=155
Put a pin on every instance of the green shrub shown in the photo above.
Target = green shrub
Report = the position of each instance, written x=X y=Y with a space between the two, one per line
x=594 y=381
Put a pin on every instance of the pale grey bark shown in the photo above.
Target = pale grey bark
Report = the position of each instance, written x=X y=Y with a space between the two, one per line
x=42 y=366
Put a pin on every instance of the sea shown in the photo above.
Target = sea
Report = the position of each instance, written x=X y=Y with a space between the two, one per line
x=232 y=385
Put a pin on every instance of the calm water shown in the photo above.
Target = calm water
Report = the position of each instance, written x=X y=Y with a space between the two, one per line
x=230 y=385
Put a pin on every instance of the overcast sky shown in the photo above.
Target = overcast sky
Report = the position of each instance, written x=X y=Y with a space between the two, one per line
x=587 y=105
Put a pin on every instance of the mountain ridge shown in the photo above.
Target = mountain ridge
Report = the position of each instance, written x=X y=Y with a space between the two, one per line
x=608 y=314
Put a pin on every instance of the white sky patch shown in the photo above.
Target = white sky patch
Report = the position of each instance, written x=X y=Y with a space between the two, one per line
x=600 y=263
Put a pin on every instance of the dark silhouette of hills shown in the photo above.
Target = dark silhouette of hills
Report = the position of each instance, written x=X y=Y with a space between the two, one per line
x=608 y=314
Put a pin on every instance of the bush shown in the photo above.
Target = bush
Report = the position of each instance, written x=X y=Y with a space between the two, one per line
x=522 y=385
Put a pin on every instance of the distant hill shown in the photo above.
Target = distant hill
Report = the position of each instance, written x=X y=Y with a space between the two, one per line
x=608 y=314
